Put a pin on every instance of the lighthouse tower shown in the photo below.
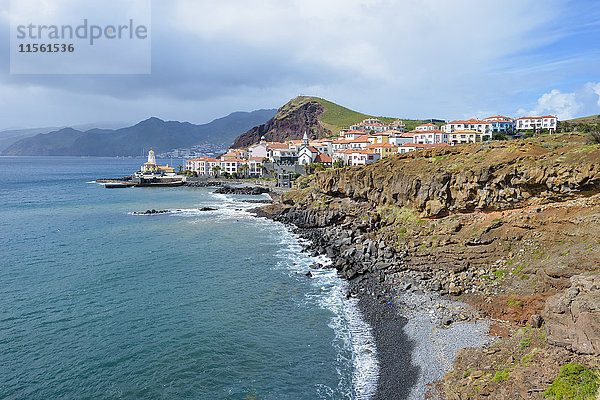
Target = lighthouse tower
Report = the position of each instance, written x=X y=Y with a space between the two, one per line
x=151 y=157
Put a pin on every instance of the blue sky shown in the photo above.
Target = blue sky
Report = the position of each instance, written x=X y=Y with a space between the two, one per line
x=409 y=59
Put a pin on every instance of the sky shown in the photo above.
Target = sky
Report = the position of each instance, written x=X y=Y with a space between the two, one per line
x=406 y=58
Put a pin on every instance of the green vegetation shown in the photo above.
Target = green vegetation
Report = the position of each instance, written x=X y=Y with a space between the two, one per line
x=499 y=273
x=337 y=117
x=574 y=382
x=438 y=158
x=396 y=214
x=514 y=303
x=525 y=360
x=593 y=137
x=501 y=376
x=525 y=342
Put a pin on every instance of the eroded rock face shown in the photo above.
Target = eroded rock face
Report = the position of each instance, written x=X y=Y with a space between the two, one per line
x=573 y=317
x=290 y=123
x=468 y=178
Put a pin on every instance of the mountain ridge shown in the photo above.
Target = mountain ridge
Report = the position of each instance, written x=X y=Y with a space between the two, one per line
x=129 y=141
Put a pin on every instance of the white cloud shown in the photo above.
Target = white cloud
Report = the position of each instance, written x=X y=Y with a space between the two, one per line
x=594 y=87
x=405 y=58
x=563 y=105
x=583 y=101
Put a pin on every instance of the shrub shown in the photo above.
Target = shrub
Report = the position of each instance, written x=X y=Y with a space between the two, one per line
x=574 y=382
x=501 y=376
x=593 y=137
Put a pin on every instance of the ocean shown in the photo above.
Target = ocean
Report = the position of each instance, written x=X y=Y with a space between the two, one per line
x=96 y=302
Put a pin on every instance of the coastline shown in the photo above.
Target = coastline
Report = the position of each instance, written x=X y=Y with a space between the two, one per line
x=416 y=331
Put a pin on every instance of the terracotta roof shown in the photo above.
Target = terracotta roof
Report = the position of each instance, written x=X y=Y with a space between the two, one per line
x=380 y=134
x=498 y=116
x=204 y=158
x=361 y=139
x=468 y=121
x=375 y=145
x=545 y=116
x=470 y=131
x=409 y=134
x=312 y=149
x=424 y=146
x=256 y=158
x=323 y=158
x=235 y=160
x=277 y=144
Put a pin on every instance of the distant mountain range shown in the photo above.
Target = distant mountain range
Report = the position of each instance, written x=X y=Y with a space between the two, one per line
x=153 y=133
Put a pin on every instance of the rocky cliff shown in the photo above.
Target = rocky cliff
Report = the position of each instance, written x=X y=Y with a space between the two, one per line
x=291 y=121
x=510 y=228
x=471 y=178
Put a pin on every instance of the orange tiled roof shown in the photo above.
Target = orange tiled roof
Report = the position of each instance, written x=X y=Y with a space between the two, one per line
x=545 y=116
x=469 y=131
x=375 y=145
x=323 y=158
x=424 y=145
x=469 y=121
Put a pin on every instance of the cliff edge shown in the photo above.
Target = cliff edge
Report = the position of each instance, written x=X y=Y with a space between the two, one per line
x=510 y=228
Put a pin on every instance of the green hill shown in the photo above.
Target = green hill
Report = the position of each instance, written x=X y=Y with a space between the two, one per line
x=592 y=119
x=337 y=117
x=318 y=117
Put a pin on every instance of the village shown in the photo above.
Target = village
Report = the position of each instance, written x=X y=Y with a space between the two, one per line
x=362 y=143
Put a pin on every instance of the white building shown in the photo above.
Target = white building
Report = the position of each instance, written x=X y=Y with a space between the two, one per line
x=548 y=122
x=370 y=124
x=406 y=137
x=259 y=149
x=427 y=127
x=204 y=166
x=408 y=147
x=356 y=157
x=469 y=124
x=430 y=137
x=468 y=136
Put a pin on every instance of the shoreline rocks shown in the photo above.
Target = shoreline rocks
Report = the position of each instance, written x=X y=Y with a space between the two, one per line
x=246 y=190
x=150 y=212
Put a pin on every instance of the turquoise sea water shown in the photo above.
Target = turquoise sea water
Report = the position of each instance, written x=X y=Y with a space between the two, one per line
x=96 y=302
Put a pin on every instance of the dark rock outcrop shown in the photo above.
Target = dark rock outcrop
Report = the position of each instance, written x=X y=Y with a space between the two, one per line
x=291 y=121
x=153 y=211
x=573 y=317
x=248 y=190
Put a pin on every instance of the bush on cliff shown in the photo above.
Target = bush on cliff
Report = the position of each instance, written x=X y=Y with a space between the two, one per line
x=593 y=137
x=574 y=382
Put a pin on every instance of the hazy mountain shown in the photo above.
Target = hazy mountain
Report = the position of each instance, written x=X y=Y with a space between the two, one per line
x=152 y=133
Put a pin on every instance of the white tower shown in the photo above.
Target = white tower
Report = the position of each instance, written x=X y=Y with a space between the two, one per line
x=305 y=140
x=151 y=157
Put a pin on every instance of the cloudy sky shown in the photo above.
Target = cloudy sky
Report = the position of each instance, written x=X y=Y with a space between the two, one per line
x=404 y=58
